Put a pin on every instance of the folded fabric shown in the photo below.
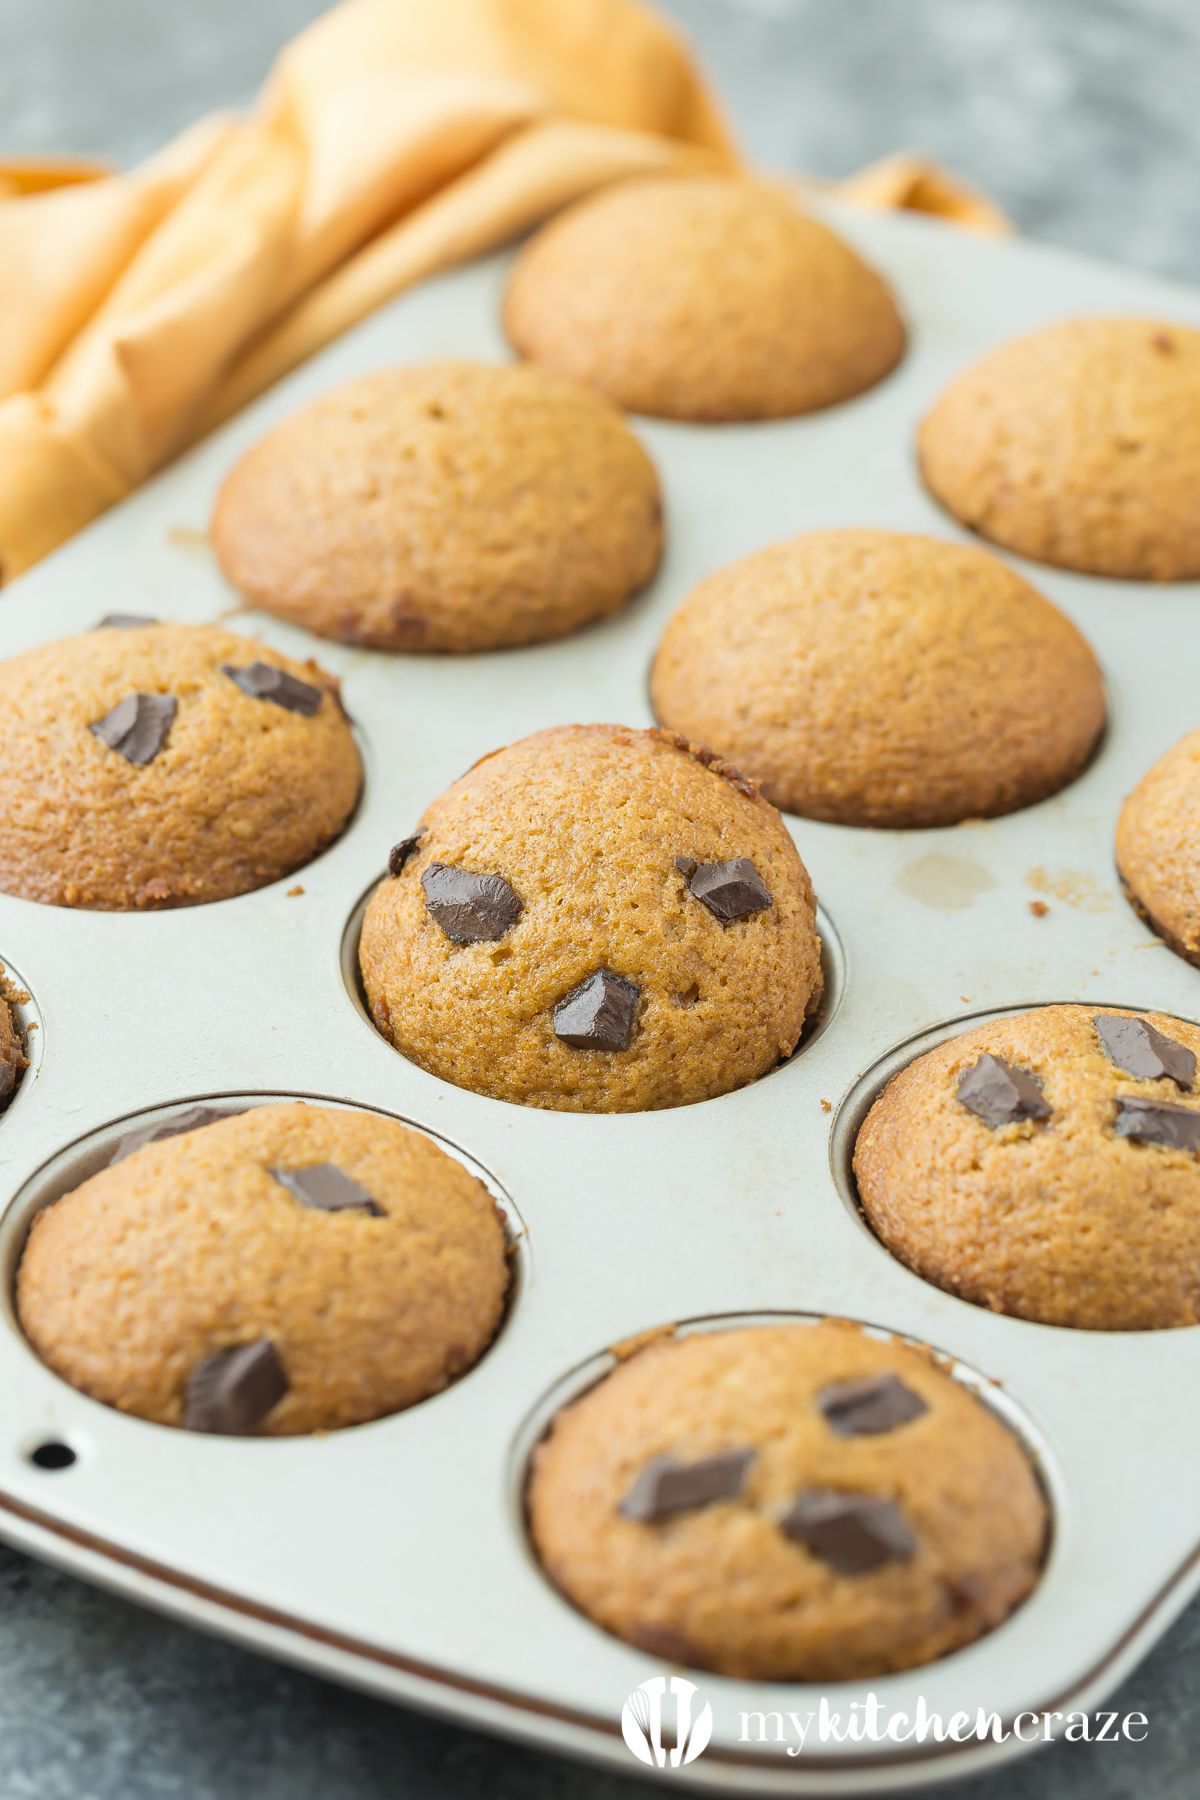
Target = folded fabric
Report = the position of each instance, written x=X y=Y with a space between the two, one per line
x=38 y=174
x=393 y=138
x=911 y=182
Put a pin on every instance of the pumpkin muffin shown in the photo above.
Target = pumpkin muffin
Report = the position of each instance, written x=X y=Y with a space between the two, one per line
x=1079 y=446
x=651 y=947
x=289 y=1269
x=873 y=678
x=453 y=506
x=1158 y=848
x=145 y=766
x=1045 y=1165
x=705 y=298
x=787 y=1503
x=13 y=1060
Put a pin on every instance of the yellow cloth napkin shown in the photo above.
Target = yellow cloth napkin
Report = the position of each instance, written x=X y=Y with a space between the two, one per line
x=393 y=138
x=910 y=182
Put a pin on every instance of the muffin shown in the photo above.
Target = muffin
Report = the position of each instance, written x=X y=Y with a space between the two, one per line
x=289 y=1269
x=13 y=1060
x=448 y=507
x=1045 y=1166
x=873 y=678
x=1158 y=848
x=149 y=766
x=1080 y=446
x=787 y=1503
x=705 y=298
x=651 y=948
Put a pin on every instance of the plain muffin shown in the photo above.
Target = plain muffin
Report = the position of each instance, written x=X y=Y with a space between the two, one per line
x=1158 y=847
x=453 y=506
x=874 y=678
x=705 y=298
x=1080 y=446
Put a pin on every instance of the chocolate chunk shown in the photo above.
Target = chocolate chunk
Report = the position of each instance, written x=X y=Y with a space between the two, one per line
x=851 y=1532
x=872 y=1405
x=232 y=1391
x=1158 y=1122
x=599 y=1013
x=190 y=1120
x=967 y=1592
x=138 y=727
x=730 y=890
x=470 y=908
x=665 y=1486
x=263 y=681
x=1001 y=1094
x=324 y=1186
x=399 y=853
x=124 y=621
x=1139 y=1049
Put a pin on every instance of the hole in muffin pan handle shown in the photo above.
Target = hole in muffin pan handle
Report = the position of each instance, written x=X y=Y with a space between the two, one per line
x=52 y=1455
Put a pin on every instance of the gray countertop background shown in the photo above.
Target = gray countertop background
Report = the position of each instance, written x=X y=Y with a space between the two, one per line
x=1082 y=118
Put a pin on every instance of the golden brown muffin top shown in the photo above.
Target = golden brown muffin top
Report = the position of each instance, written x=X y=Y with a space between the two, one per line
x=228 y=789
x=450 y=506
x=880 y=1516
x=706 y=298
x=582 y=825
x=191 y=1246
x=1072 y=1197
x=1078 y=445
x=880 y=678
x=1158 y=846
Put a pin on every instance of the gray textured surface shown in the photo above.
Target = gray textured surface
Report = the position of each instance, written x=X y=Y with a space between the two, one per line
x=1081 y=117
x=101 y=1701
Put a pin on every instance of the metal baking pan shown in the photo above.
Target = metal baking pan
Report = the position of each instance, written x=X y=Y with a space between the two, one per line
x=393 y=1556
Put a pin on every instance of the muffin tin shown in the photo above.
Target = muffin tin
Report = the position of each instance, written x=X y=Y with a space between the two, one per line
x=393 y=1556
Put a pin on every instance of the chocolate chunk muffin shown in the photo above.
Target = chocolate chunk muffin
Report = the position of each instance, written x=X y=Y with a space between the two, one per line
x=703 y=297
x=874 y=678
x=453 y=506
x=289 y=1269
x=1080 y=446
x=787 y=1503
x=651 y=947
x=1045 y=1166
x=1158 y=848
x=145 y=766
x=13 y=1060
